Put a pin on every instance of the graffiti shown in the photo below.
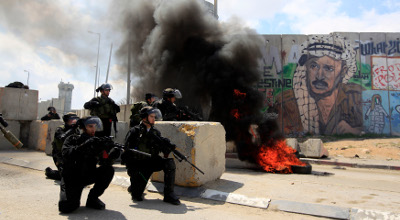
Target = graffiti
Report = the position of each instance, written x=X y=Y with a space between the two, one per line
x=370 y=48
x=275 y=83
x=376 y=115
x=313 y=82
x=269 y=60
x=385 y=73
x=269 y=96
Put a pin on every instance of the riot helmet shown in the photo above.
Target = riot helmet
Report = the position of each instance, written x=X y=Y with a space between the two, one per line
x=149 y=96
x=70 y=116
x=90 y=120
x=169 y=93
x=106 y=86
x=51 y=108
x=148 y=110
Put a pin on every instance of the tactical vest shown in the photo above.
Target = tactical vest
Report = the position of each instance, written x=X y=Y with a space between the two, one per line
x=146 y=144
x=104 y=110
x=135 y=110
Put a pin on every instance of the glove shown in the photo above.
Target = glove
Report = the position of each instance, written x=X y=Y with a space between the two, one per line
x=94 y=103
x=90 y=142
x=114 y=153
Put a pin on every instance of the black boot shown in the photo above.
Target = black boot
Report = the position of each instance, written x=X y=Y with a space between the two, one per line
x=95 y=203
x=169 y=180
x=52 y=174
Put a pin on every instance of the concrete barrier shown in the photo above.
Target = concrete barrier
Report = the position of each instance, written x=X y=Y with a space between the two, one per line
x=41 y=134
x=293 y=143
x=313 y=148
x=18 y=104
x=204 y=144
x=14 y=127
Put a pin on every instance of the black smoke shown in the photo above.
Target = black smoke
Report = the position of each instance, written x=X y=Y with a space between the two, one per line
x=179 y=44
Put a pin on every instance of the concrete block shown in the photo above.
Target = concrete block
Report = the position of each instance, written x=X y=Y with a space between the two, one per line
x=14 y=127
x=313 y=148
x=41 y=134
x=52 y=127
x=205 y=146
x=122 y=128
x=293 y=143
x=19 y=104
x=311 y=209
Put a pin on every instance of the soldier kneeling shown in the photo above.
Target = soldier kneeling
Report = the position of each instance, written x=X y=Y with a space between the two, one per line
x=81 y=154
x=144 y=137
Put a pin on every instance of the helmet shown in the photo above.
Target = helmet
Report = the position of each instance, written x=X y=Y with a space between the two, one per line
x=69 y=116
x=51 y=108
x=149 y=96
x=169 y=93
x=103 y=87
x=90 y=120
x=146 y=111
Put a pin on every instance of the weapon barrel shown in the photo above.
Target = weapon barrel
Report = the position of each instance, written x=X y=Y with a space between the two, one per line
x=11 y=138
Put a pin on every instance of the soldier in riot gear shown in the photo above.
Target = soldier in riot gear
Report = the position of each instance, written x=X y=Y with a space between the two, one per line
x=62 y=132
x=146 y=138
x=136 y=107
x=104 y=108
x=51 y=115
x=81 y=154
x=169 y=110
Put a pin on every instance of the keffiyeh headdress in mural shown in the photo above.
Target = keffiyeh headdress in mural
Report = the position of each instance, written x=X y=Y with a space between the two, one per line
x=332 y=45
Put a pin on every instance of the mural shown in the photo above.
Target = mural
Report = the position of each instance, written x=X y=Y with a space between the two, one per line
x=338 y=83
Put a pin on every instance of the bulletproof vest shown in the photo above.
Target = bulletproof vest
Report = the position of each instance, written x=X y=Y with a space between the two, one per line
x=105 y=109
x=146 y=144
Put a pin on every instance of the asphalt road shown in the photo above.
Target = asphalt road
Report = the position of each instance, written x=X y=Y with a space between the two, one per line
x=27 y=194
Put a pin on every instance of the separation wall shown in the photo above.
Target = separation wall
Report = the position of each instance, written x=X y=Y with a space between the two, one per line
x=354 y=89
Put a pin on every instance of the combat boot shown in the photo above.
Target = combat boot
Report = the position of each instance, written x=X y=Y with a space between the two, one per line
x=95 y=203
x=170 y=197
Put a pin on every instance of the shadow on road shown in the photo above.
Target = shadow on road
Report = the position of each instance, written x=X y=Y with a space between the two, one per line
x=157 y=204
x=85 y=213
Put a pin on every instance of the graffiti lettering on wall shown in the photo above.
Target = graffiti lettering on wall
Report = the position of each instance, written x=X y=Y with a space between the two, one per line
x=370 y=48
x=275 y=83
x=269 y=96
x=385 y=73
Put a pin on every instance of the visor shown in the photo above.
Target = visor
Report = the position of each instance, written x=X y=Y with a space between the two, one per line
x=177 y=94
x=157 y=112
x=96 y=121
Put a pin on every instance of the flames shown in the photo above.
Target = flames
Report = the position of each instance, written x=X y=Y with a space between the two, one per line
x=271 y=154
x=277 y=158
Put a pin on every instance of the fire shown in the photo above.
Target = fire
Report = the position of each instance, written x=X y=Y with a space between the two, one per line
x=238 y=94
x=277 y=158
x=235 y=113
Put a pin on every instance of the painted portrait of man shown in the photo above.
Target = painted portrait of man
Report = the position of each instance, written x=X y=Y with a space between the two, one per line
x=322 y=100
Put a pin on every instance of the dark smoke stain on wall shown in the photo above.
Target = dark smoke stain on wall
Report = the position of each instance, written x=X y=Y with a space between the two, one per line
x=178 y=44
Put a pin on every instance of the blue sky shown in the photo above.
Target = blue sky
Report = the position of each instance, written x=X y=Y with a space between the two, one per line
x=50 y=39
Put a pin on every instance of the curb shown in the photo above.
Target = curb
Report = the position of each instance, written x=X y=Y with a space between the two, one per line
x=347 y=164
x=264 y=203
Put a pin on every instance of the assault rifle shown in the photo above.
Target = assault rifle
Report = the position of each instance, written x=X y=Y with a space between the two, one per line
x=178 y=155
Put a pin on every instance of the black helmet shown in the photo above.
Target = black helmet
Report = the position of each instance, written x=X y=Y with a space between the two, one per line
x=169 y=93
x=90 y=120
x=51 y=108
x=106 y=86
x=149 y=96
x=70 y=115
x=147 y=110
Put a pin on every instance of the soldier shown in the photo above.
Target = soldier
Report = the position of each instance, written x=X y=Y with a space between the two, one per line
x=104 y=108
x=169 y=110
x=81 y=154
x=144 y=137
x=62 y=132
x=51 y=115
x=135 y=117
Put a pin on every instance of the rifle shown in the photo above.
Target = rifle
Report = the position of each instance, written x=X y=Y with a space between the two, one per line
x=186 y=115
x=8 y=135
x=178 y=155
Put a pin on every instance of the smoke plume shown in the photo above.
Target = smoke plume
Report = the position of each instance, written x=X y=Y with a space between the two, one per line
x=178 y=44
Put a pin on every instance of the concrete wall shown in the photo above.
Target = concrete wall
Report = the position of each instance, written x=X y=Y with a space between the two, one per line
x=56 y=103
x=204 y=145
x=14 y=127
x=18 y=104
x=41 y=135
x=369 y=98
